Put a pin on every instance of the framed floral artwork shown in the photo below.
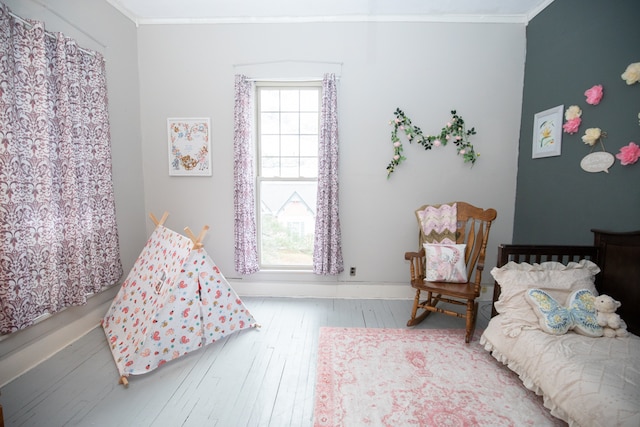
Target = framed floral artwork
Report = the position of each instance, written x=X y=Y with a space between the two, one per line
x=547 y=133
x=189 y=146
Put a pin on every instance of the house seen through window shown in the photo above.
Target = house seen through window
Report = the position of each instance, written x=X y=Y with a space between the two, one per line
x=288 y=124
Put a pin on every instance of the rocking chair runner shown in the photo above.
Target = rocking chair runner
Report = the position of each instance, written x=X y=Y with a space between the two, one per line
x=472 y=229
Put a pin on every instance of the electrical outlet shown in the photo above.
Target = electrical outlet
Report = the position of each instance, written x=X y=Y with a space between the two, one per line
x=352 y=271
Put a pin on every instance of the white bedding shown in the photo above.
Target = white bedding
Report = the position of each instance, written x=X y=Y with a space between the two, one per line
x=584 y=381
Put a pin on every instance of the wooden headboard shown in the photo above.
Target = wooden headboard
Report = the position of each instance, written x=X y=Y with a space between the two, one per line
x=619 y=260
x=617 y=254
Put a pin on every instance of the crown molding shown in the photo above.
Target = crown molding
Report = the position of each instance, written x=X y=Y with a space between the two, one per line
x=484 y=19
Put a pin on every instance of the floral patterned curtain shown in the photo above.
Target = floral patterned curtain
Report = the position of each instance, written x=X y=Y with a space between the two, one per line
x=246 y=250
x=327 y=250
x=58 y=235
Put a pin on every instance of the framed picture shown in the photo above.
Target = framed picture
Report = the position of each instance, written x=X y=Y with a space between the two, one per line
x=547 y=133
x=189 y=147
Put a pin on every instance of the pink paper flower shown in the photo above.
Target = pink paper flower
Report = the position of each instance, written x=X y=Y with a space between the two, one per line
x=571 y=126
x=594 y=95
x=629 y=154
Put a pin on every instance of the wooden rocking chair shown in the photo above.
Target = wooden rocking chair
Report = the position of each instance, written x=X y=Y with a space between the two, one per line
x=472 y=230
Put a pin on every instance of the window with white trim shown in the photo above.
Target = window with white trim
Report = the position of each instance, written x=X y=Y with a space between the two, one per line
x=288 y=120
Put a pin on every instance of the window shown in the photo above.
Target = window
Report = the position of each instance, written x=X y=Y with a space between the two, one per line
x=288 y=125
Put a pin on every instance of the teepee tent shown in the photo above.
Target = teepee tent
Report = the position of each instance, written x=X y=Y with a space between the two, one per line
x=174 y=300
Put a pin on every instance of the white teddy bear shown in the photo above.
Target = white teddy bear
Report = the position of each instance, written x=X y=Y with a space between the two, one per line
x=611 y=322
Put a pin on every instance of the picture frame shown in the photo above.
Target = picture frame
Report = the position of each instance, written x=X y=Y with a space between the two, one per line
x=547 y=133
x=189 y=146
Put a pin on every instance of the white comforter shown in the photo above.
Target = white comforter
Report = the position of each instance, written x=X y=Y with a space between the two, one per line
x=584 y=381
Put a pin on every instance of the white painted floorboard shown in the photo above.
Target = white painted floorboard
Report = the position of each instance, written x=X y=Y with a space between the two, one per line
x=255 y=377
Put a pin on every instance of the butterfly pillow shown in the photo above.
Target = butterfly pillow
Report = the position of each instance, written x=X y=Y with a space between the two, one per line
x=556 y=279
x=580 y=313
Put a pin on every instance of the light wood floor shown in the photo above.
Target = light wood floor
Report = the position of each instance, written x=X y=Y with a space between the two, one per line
x=255 y=377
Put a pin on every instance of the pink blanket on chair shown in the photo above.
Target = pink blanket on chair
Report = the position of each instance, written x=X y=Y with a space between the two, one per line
x=439 y=223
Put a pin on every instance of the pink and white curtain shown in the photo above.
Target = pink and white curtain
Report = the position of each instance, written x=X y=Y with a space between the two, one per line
x=58 y=235
x=327 y=250
x=244 y=194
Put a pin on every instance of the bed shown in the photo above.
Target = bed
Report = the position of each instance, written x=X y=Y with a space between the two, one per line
x=584 y=380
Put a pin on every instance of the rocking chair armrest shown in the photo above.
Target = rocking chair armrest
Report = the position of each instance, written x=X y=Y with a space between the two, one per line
x=410 y=255
x=416 y=265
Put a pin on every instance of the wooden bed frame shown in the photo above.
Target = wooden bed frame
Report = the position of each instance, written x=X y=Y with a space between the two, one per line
x=616 y=253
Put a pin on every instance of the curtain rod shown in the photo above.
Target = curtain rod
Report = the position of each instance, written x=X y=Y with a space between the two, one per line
x=285 y=79
x=249 y=64
x=53 y=36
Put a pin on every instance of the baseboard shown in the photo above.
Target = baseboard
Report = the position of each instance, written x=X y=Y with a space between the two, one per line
x=362 y=290
x=486 y=293
x=358 y=290
x=23 y=350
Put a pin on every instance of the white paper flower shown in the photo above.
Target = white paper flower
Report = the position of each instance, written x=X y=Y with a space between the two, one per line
x=632 y=74
x=591 y=135
x=572 y=112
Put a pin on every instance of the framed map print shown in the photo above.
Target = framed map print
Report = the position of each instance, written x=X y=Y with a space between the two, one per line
x=189 y=146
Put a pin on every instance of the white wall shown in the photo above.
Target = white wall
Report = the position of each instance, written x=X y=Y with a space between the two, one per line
x=426 y=69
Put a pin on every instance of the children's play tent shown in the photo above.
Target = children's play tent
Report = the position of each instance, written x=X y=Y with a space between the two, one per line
x=174 y=300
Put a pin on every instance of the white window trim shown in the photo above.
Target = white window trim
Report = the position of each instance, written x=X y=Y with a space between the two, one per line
x=275 y=84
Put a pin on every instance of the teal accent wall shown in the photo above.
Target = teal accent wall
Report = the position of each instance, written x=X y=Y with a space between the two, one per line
x=571 y=46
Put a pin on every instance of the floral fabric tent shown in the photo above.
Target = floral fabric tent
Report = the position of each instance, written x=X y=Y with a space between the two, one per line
x=174 y=300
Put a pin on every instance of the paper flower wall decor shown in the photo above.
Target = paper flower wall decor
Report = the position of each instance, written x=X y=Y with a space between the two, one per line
x=573 y=120
x=599 y=161
x=632 y=74
x=594 y=95
x=592 y=135
x=629 y=154
x=454 y=131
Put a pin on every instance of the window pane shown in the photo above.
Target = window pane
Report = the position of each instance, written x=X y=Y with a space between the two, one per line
x=290 y=123
x=288 y=148
x=289 y=100
x=309 y=145
x=290 y=145
x=269 y=123
x=269 y=100
x=270 y=167
x=309 y=167
x=287 y=223
x=270 y=145
x=309 y=123
x=290 y=167
x=309 y=100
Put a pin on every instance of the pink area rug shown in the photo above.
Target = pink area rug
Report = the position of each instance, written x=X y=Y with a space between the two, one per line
x=409 y=377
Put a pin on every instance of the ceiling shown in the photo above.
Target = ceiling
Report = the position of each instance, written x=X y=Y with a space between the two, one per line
x=257 y=11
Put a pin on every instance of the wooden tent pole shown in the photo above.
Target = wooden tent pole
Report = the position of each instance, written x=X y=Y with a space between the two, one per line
x=190 y=235
x=202 y=233
x=162 y=220
x=197 y=241
x=124 y=381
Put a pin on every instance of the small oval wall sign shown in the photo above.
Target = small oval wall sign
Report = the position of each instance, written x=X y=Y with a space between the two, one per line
x=597 y=162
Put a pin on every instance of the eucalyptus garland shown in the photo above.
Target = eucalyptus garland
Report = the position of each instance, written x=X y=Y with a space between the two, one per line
x=454 y=131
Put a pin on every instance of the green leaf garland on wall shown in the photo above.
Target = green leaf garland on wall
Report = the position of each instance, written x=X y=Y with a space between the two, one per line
x=454 y=131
